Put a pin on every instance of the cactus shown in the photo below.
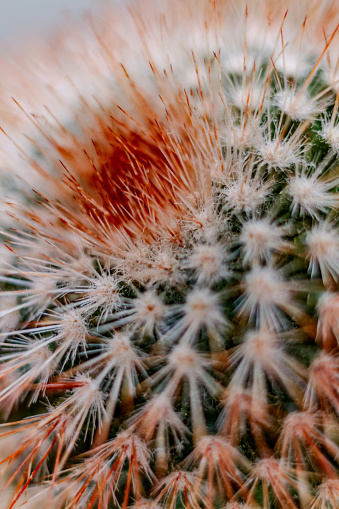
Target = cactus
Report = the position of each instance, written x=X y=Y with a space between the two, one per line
x=169 y=303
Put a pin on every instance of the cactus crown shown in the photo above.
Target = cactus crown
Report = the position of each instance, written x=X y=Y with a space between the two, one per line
x=170 y=310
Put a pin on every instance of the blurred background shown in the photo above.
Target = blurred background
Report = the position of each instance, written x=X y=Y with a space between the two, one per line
x=21 y=19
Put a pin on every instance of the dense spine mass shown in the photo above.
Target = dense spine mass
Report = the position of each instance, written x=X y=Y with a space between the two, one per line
x=170 y=304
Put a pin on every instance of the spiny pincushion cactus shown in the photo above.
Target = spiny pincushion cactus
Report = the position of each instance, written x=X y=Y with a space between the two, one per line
x=170 y=303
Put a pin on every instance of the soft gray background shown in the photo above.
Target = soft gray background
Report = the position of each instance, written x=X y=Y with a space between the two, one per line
x=21 y=18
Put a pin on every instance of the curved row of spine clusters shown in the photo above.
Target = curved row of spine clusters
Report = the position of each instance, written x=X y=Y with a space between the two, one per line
x=170 y=315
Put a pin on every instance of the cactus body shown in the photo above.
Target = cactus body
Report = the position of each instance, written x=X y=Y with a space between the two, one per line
x=170 y=302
